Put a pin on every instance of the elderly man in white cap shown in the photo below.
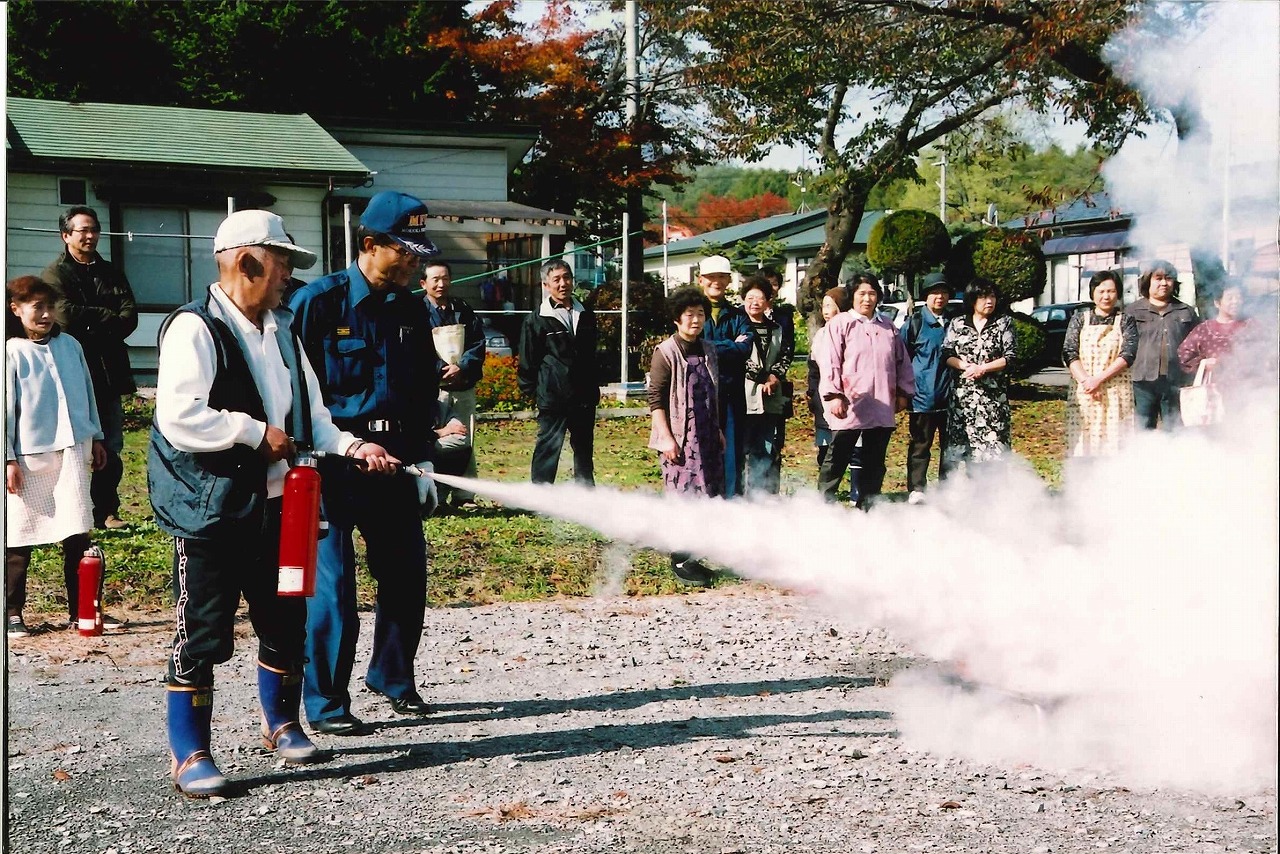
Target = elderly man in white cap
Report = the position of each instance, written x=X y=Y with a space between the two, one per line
x=729 y=332
x=234 y=391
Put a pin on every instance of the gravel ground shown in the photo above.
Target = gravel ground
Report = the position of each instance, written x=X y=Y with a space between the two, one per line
x=737 y=720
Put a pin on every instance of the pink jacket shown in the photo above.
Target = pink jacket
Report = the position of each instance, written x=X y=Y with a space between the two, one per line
x=865 y=362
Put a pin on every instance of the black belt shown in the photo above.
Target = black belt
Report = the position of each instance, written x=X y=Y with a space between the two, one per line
x=384 y=425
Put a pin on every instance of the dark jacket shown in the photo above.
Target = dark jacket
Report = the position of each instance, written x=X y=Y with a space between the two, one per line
x=731 y=354
x=557 y=368
x=471 y=365
x=1159 y=335
x=100 y=312
x=222 y=493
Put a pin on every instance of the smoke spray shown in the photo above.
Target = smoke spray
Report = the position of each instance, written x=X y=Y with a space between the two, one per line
x=1126 y=625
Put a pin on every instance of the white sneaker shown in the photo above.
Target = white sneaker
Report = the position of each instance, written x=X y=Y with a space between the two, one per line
x=916 y=497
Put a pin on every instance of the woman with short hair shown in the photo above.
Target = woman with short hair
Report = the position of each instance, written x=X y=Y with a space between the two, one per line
x=979 y=346
x=686 y=430
x=1099 y=346
x=866 y=379
x=767 y=393
x=1163 y=324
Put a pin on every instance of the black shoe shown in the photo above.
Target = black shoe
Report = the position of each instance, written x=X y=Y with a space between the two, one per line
x=692 y=572
x=344 y=724
x=411 y=704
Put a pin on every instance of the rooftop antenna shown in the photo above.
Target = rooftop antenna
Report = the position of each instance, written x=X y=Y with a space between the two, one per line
x=799 y=180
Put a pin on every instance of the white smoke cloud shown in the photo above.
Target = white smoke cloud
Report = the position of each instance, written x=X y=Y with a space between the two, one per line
x=1138 y=608
x=1226 y=68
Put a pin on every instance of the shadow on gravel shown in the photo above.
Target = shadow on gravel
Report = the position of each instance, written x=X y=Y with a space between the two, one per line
x=620 y=700
x=563 y=744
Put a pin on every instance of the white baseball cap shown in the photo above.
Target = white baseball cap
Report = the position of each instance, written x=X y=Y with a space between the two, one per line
x=714 y=264
x=260 y=228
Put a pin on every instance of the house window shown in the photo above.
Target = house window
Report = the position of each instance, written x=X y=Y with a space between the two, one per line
x=72 y=191
x=168 y=254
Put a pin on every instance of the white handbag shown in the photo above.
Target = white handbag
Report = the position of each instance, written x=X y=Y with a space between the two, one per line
x=1201 y=402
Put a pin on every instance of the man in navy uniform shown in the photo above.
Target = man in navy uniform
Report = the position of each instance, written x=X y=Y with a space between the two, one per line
x=232 y=386
x=369 y=339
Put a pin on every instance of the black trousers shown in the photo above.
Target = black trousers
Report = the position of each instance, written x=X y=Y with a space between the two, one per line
x=922 y=426
x=208 y=578
x=17 y=561
x=875 y=444
x=580 y=423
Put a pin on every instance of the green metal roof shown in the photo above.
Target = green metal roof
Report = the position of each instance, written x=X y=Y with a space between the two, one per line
x=134 y=134
x=795 y=230
x=817 y=235
x=779 y=225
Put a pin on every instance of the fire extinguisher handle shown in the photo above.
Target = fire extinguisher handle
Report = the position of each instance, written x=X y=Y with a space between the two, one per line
x=362 y=465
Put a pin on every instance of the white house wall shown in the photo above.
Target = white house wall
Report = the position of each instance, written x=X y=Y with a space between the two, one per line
x=436 y=172
x=32 y=202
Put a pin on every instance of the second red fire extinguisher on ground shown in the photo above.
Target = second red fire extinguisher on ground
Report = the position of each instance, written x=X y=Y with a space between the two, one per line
x=300 y=527
x=89 y=592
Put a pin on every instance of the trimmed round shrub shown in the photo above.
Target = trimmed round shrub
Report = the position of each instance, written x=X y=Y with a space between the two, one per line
x=1011 y=259
x=908 y=241
x=1029 y=340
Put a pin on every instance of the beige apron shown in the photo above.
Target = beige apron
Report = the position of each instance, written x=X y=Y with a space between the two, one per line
x=1098 y=427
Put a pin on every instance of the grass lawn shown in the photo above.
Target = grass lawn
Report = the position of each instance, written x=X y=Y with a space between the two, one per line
x=496 y=554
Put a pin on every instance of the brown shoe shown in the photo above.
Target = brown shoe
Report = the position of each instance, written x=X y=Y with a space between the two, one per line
x=113 y=523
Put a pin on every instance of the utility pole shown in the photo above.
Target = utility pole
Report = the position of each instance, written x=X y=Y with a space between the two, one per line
x=632 y=107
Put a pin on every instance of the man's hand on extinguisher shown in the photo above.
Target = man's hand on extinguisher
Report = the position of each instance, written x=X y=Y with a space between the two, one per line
x=276 y=445
x=376 y=458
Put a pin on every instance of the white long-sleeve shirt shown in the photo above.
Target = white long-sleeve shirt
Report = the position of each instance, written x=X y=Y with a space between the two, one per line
x=188 y=361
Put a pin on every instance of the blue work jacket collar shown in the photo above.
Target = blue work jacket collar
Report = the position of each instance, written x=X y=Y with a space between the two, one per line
x=359 y=289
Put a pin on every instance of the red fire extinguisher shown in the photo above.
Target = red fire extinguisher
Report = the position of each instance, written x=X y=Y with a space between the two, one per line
x=300 y=528
x=89 y=594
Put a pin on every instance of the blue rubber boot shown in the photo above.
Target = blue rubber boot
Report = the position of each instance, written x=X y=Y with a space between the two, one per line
x=190 y=720
x=280 y=692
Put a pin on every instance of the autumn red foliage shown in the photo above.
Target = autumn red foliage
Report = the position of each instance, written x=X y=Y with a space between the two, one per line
x=712 y=212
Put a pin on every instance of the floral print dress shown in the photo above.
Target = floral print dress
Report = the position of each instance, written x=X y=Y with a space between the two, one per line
x=978 y=417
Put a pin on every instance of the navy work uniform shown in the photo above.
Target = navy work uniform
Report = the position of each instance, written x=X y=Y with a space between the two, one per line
x=377 y=363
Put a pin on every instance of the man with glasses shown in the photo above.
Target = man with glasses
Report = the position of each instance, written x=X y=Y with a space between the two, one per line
x=369 y=339
x=558 y=368
x=100 y=313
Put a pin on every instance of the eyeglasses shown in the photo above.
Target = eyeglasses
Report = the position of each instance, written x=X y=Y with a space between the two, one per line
x=86 y=231
x=400 y=250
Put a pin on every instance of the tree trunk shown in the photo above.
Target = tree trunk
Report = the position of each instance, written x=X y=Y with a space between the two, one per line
x=844 y=215
x=1207 y=265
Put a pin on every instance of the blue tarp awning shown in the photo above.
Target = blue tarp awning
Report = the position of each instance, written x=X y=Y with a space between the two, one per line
x=1082 y=244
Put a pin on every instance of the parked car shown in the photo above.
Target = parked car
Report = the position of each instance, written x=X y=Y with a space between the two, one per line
x=494 y=341
x=1053 y=320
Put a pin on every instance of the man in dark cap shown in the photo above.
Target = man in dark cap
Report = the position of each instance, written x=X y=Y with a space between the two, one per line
x=369 y=339
x=923 y=333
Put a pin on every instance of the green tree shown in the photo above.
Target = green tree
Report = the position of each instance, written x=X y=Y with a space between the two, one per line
x=844 y=78
x=908 y=242
x=329 y=58
x=1012 y=260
